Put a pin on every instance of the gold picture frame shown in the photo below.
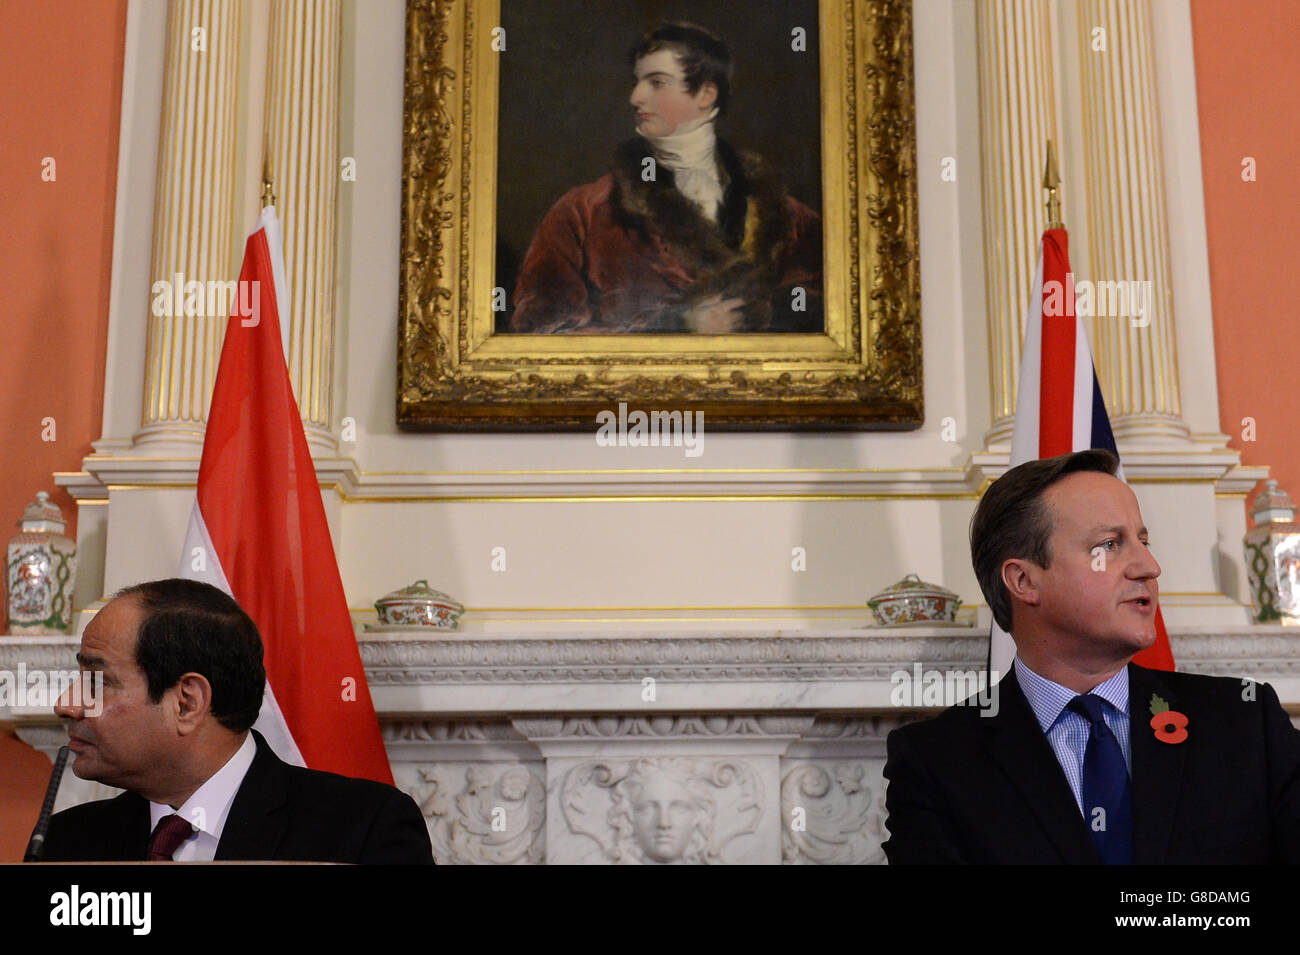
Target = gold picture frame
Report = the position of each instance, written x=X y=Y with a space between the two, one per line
x=455 y=373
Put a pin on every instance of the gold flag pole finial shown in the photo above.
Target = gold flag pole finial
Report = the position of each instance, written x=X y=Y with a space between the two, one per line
x=268 y=187
x=1052 y=183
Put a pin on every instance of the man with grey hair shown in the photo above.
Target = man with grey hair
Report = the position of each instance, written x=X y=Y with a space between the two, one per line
x=1089 y=758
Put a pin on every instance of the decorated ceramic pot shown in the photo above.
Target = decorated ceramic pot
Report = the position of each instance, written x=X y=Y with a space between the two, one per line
x=418 y=605
x=1273 y=557
x=42 y=566
x=912 y=600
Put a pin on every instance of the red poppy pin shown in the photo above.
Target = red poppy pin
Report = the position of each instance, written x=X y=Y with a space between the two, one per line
x=1170 y=725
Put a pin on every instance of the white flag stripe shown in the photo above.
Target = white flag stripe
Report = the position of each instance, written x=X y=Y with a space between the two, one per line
x=1081 y=431
x=269 y=221
x=199 y=559
x=272 y=725
x=199 y=550
x=1024 y=433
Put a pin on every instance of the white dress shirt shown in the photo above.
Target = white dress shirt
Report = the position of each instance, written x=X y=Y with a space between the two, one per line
x=1067 y=732
x=208 y=808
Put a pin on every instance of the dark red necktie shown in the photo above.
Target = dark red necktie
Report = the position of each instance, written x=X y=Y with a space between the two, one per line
x=167 y=836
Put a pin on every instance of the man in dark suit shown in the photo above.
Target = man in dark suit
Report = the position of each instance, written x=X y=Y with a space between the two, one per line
x=183 y=682
x=1087 y=757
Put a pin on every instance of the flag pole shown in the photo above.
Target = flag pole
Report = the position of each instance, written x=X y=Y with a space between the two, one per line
x=1052 y=183
x=268 y=184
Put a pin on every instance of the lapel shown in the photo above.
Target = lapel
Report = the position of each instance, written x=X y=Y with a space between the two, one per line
x=257 y=821
x=1018 y=745
x=1157 y=768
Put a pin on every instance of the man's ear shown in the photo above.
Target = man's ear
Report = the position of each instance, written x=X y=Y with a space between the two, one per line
x=1021 y=579
x=708 y=95
x=193 y=702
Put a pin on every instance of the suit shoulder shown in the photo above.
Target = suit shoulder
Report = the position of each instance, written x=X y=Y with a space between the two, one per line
x=94 y=813
x=956 y=722
x=344 y=790
x=102 y=830
x=385 y=825
x=1202 y=687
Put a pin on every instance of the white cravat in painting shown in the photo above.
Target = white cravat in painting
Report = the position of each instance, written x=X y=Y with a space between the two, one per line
x=689 y=151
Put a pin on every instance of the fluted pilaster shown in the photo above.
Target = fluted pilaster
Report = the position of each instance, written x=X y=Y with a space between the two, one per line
x=1018 y=114
x=302 y=148
x=1128 y=239
x=194 y=215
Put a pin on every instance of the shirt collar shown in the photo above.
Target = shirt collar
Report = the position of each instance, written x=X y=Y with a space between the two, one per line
x=208 y=808
x=1048 y=699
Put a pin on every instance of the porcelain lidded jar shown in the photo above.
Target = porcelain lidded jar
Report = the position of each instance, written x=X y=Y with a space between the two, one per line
x=1273 y=557
x=42 y=566
x=912 y=600
x=418 y=605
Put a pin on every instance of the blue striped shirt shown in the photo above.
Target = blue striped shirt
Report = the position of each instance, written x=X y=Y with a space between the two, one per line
x=1067 y=732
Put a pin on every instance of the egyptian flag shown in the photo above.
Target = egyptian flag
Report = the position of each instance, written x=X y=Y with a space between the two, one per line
x=258 y=532
x=1059 y=408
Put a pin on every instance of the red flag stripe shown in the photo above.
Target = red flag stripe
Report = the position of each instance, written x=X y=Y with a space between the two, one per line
x=1056 y=381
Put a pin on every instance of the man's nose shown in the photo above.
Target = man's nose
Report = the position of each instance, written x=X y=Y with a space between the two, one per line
x=638 y=95
x=65 y=707
x=1145 y=565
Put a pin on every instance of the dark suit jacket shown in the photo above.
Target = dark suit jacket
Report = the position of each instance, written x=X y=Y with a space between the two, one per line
x=970 y=789
x=280 y=812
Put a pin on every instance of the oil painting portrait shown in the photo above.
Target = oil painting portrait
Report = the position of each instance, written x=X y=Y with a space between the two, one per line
x=694 y=137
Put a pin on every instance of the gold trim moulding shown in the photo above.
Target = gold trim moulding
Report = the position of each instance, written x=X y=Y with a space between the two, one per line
x=161 y=486
x=520 y=471
x=580 y=498
x=863 y=620
x=738 y=608
x=703 y=497
x=644 y=498
x=1172 y=480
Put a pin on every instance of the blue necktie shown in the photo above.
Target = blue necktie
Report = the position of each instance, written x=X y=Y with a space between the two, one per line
x=1107 y=794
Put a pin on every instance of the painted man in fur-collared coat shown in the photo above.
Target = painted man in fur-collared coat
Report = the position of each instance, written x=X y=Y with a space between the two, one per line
x=685 y=234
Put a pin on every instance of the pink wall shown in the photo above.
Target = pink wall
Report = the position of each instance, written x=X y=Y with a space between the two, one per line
x=1248 y=93
x=62 y=99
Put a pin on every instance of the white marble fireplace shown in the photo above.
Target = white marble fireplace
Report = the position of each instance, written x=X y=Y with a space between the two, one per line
x=694 y=747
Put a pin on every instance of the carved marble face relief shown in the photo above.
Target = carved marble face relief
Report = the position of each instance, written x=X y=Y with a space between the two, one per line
x=663 y=810
x=665 y=815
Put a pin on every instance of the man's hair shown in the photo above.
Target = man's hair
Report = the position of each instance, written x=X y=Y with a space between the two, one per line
x=1012 y=521
x=704 y=57
x=193 y=627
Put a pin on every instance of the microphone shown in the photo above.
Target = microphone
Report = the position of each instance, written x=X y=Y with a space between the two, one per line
x=36 y=847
